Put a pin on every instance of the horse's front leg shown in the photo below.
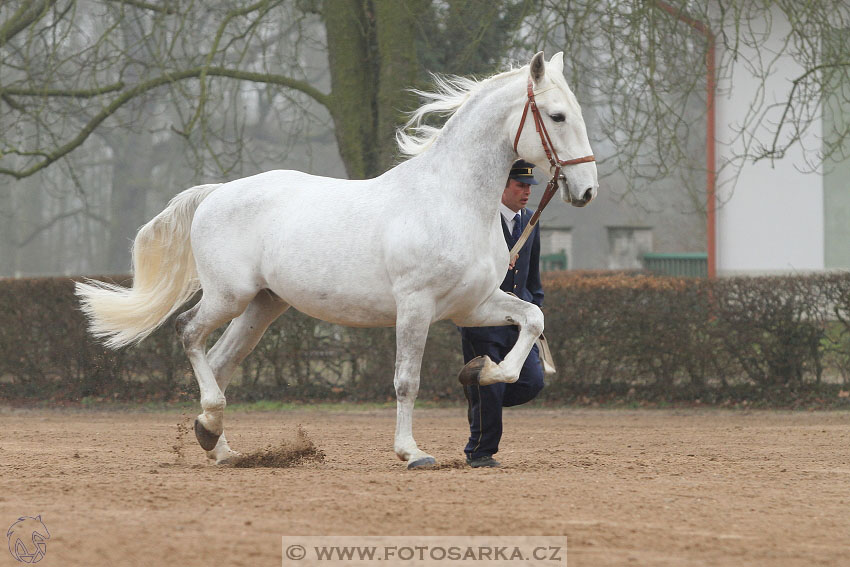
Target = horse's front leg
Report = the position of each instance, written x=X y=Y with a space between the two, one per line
x=502 y=309
x=412 y=323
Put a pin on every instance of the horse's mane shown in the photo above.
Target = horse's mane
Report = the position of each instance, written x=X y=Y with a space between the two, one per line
x=450 y=93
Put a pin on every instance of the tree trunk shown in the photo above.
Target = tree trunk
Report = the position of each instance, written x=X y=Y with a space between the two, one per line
x=399 y=64
x=352 y=106
x=373 y=60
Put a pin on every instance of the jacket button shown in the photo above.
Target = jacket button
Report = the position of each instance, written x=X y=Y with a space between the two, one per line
x=514 y=286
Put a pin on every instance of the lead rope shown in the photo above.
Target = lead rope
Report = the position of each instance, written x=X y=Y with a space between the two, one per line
x=551 y=188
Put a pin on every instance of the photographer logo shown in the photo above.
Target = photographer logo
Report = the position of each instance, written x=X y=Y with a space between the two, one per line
x=28 y=539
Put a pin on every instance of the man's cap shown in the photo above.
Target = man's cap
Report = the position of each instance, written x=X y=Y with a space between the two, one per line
x=523 y=171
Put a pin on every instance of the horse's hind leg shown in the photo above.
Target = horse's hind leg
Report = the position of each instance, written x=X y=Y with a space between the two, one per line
x=412 y=322
x=194 y=326
x=237 y=342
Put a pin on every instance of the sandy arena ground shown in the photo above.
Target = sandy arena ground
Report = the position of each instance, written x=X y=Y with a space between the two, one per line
x=642 y=487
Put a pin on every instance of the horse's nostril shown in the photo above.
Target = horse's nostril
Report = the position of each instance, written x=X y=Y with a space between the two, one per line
x=588 y=195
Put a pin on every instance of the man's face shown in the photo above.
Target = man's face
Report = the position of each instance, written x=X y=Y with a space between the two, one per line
x=516 y=195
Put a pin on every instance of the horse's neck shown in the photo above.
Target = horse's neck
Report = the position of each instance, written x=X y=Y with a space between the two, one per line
x=475 y=156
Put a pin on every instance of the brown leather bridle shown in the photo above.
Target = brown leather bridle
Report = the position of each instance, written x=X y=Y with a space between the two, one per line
x=555 y=163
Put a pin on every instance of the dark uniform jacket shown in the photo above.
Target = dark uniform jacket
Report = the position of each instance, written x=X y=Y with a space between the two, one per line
x=523 y=280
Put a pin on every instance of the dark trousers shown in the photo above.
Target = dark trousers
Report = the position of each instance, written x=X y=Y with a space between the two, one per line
x=486 y=402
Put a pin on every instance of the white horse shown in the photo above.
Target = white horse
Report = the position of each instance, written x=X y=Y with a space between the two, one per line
x=418 y=244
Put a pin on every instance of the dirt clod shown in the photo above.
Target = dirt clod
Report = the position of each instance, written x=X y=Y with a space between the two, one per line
x=179 y=446
x=452 y=464
x=287 y=454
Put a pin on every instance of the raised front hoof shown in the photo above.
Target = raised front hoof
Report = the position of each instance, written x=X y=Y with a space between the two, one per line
x=471 y=373
x=206 y=439
x=422 y=463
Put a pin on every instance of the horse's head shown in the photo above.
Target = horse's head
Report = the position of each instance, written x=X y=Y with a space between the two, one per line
x=561 y=118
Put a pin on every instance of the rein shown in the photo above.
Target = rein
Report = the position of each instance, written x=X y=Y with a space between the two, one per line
x=555 y=164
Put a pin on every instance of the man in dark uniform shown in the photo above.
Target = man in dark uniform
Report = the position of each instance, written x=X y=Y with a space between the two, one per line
x=523 y=280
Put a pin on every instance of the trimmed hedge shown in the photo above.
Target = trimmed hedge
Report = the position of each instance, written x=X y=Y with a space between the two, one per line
x=615 y=337
x=766 y=339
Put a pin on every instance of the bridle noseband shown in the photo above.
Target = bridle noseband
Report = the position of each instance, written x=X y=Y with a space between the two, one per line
x=555 y=163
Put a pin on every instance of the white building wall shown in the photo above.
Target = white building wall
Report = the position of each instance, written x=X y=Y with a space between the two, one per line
x=771 y=219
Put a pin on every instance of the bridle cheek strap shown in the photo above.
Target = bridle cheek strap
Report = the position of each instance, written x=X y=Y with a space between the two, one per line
x=521 y=123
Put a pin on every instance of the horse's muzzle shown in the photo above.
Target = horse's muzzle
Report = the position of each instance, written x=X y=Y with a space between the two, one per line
x=586 y=197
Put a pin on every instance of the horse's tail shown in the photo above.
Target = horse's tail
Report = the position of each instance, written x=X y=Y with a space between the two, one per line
x=164 y=276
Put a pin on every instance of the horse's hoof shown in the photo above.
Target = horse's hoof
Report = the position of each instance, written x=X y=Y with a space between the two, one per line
x=422 y=463
x=470 y=373
x=229 y=458
x=206 y=439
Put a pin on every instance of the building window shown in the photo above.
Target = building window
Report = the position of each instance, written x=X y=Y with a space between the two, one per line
x=626 y=247
x=556 y=248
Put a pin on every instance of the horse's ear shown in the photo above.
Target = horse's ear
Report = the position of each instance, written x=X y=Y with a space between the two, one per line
x=537 y=67
x=557 y=62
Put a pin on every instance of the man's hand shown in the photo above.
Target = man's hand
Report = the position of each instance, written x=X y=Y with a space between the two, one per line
x=513 y=261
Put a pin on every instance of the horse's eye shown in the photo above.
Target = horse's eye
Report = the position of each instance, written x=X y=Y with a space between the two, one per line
x=557 y=117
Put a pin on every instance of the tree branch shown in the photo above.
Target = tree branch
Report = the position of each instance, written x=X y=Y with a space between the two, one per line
x=141 y=88
x=70 y=93
x=202 y=98
x=166 y=9
x=789 y=103
x=55 y=220
x=25 y=16
x=11 y=102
